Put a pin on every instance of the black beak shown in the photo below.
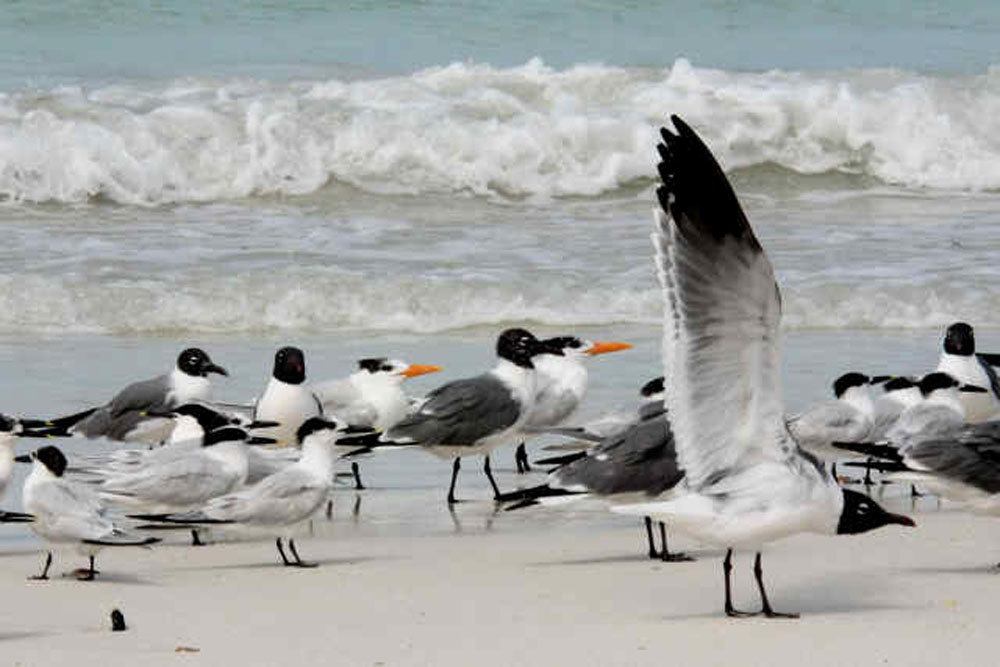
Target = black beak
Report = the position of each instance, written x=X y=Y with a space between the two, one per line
x=351 y=429
x=900 y=520
x=879 y=379
x=260 y=440
x=23 y=458
x=262 y=424
x=213 y=368
x=973 y=389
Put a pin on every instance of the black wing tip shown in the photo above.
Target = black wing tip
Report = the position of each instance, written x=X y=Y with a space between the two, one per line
x=140 y=542
x=16 y=517
x=877 y=450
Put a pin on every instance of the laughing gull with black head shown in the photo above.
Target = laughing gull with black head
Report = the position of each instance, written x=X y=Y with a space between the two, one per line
x=747 y=482
x=561 y=383
x=125 y=417
x=287 y=399
x=960 y=360
x=476 y=415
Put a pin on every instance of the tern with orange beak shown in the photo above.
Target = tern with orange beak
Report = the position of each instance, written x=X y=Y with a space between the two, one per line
x=561 y=383
x=746 y=480
x=371 y=396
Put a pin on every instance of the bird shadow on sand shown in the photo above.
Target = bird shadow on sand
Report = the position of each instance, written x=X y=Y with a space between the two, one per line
x=14 y=636
x=985 y=569
x=640 y=557
x=276 y=565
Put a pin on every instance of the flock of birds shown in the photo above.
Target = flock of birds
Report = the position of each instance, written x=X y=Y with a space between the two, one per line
x=710 y=450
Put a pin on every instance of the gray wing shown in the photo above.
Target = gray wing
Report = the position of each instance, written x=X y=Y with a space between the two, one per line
x=887 y=413
x=640 y=460
x=721 y=321
x=184 y=481
x=987 y=366
x=971 y=456
x=923 y=422
x=830 y=422
x=116 y=419
x=285 y=497
x=459 y=413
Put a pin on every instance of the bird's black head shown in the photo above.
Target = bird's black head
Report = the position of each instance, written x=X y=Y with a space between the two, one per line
x=195 y=362
x=861 y=514
x=518 y=346
x=290 y=365
x=224 y=434
x=559 y=344
x=934 y=381
x=653 y=387
x=958 y=339
x=374 y=364
x=51 y=458
x=314 y=424
x=206 y=417
x=7 y=424
x=848 y=380
x=899 y=383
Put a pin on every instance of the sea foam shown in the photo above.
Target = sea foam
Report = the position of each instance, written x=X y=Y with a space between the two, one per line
x=512 y=132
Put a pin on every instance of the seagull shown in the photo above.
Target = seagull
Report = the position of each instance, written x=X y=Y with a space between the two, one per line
x=372 y=396
x=10 y=429
x=962 y=466
x=638 y=463
x=747 y=482
x=287 y=399
x=849 y=418
x=282 y=500
x=125 y=418
x=561 y=382
x=476 y=415
x=960 y=360
x=67 y=512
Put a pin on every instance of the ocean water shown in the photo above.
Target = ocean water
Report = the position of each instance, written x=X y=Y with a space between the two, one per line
x=409 y=178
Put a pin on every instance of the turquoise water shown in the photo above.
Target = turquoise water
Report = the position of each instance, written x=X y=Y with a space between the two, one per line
x=50 y=43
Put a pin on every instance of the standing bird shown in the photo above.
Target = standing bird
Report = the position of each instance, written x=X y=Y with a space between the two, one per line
x=849 y=418
x=125 y=418
x=637 y=463
x=67 y=512
x=287 y=399
x=747 y=482
x=960 y=360
x=561 y=382
x=371 y=396
x=280 y=501
x=9 y=430
x=476 y=415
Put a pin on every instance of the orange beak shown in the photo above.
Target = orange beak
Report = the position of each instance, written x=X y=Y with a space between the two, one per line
x=602 y=347
x=419 y=369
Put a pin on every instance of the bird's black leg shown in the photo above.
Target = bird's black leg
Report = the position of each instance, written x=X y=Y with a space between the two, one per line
x=665 y=554
x=44 y=576
x=196 y=539
x=727 y=569
x=455 y=467
x=489 y=476
x=868 y=471
x=356 y=469
x=521 y=459
x=88 y=574
x=281 y=551
x=649 y=537
x=914 y=493
x=758 y=574
x=295 y=554
x=329 y=509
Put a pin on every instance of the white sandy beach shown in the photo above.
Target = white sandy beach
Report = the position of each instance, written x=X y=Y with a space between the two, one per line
x=531 y=588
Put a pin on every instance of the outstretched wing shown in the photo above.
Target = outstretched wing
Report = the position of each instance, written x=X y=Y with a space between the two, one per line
x=720 y=340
